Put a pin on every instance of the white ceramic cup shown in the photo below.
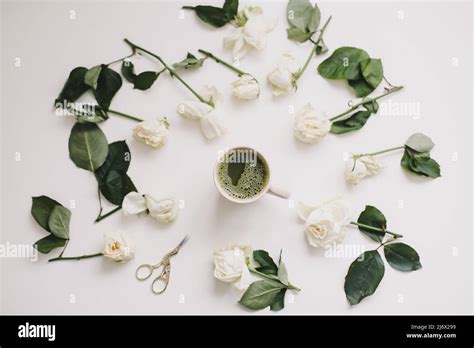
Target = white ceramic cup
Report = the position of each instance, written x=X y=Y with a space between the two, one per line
x=268 y=188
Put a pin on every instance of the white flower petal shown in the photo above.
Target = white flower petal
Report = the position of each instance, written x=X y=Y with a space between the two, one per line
x=162 y=207
x=193 y=110
x=304 y=210
x=211 y=126
x=133 y=203
x=118 y=247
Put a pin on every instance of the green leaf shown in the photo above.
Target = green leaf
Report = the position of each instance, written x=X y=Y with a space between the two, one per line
x=360 y=87
x=59 y=222
x=115 y=186
x=279 y=301
x=261 y=294
x=214 y=16
x=343 y=64
x=48 y=243
x=372 y=71
x=190 y=62
x=231 y=8
x=371 y=106
x=74 y=86
x=92 y=76
x=145 y=80
x=420 y=163
x=302 y=15
x=108 y=84
x=282 y=273
x=420 y=142
x=267 y=265
x=89 y=113
x=128 y=71
x=296 y=34
x=88 y=146
x=373 y=217
x=364 y=276
x=356 y=121
x=402 y=257
x=41 y=209
x=118 y=158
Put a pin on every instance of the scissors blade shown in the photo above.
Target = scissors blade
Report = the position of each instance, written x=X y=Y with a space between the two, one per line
x=176 y=249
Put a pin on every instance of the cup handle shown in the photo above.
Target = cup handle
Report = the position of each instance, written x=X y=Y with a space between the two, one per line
x=279 y=192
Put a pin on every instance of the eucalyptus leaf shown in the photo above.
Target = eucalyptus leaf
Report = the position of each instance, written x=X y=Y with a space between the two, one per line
x=279 y=301
x=356 y=121
x=372 y=71
x=48 y=243
x=420 y=142
x=363 y=276
x=59 y=222
x=261 y=294
x=343 y=64
x=212 y=15
x=41 y=209
x=402 y=257
x=115 y=186
x=74 y=86
x=108 y=84
x=88 y=146
x=267 y=265
x=145 y=80
x=371 y=216
x=92 y=76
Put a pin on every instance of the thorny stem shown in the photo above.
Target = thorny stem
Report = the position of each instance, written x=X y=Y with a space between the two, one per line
x=366 y=101
x=219 y=60
x=171 y=71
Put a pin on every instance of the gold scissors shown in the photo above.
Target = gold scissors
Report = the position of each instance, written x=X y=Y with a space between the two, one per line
x=146 y=270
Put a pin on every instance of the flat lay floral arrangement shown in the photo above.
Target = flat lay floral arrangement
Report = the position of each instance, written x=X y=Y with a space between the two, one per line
x=261 y=280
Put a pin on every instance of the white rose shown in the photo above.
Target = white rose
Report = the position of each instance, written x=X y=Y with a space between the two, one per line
x=230 y=266
x=309 y=126
x=282 y=79
x=118 y=247
x=252 y=33
x=246 y=88
x=153 y=133
x=162 y=208
x=325 y=224
x=206 y=114
x=360 y=167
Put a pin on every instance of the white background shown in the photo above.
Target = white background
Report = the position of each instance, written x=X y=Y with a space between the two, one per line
x=424 y=46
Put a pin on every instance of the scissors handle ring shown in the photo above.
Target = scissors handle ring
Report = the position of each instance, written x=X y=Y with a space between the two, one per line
x=149 y=269
x=163 y=278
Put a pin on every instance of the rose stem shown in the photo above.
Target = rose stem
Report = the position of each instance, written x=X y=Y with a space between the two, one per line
x=396 y=235
x=219 y=60
x=171 y=71
x=355 y=106
x=75 y=257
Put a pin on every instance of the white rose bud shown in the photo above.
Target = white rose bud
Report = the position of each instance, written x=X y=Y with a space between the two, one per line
x=282 y=79
x=246 y=88
x=153 y=133
x=325 y=224
x=309 y=126
x=118 y=247
x=162 y=208
x=360 y=167
x=230 y=265
x=133 y=203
